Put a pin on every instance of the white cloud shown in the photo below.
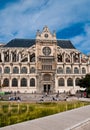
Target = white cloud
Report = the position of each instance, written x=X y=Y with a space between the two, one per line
x=82 y=42
x=23 y=18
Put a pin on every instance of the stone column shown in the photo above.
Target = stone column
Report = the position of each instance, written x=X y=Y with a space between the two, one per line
x=3 y=68
x=10 y=83
x=11 y=70
x=80 y=57
x=28 y=82
x=64 y=57
x=1 y=81
x=80 y=69
x=88 y=68
x=72 y=58
x=28 y=68
x=56 y=83
x=64 y=69
x=2 y=56
x=28 y=56
x=9 y=53
x=65 y=81
x=11 y=56
x=19 y=68
x=19 y=56
x=72 y=71
x=74 y=82
x=19 y=82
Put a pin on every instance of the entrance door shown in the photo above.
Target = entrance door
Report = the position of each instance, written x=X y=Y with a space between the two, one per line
x=46 y=88
x=49 y=87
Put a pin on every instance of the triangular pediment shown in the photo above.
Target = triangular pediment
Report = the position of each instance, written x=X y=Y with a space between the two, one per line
x=46 y=34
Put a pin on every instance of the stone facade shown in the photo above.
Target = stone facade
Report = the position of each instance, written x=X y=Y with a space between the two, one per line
x=44 y=64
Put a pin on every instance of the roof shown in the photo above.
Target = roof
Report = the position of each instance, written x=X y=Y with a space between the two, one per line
x=20 y=43
x=66 y=44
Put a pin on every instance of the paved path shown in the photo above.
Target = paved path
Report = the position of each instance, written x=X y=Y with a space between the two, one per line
x=69 y=120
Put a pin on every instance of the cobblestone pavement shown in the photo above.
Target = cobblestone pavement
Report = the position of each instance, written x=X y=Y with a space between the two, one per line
x=26 y=97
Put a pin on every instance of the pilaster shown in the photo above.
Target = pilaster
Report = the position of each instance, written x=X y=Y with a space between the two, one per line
x=2 y=56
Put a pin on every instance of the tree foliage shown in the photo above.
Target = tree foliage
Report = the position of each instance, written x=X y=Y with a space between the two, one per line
x=85 y=82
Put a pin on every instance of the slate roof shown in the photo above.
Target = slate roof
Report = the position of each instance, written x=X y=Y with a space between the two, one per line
x=66 y=44
x=20 y=43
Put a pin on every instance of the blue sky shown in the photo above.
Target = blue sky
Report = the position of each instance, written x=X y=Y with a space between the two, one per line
x=69 y=18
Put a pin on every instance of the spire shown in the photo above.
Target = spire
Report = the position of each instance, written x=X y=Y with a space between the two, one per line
x=38 y=33
x=54 y=33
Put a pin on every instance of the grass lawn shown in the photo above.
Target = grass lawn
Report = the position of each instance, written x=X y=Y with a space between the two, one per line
x=15 y=112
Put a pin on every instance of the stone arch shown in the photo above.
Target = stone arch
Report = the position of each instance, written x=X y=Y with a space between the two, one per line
x=32 y=57
x=6 y=82
x=14 y=56
x=61 y=82
x=7 y=70
x=32 y=82
x=16 y=70
x=60 y=70
x=23 y=82
x=68 y=70
x=32 y=70
x=24 y=70
x=69 y=82
x=14 y=82
x=77 y=81
x=76 y=70
x=59 y=58
x=67 y=57
x=83 y=70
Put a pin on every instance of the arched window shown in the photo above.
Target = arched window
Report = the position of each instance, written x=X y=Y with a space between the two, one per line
x=83 y=70
x=59 y=58
x=14 y=82
x=23 y=82
x=15 y=70
x=32 y=57
x=77 y=81
x=60 y=70
x=67 y=59
x=14 y=56
x=61 y=82
x=76 y=70
x=69 y=82
x=68 y=70
x=0 y=70
x=32 y=70
x=6 y=70
x=32 y=82
x=23 y=70
x=6 y=82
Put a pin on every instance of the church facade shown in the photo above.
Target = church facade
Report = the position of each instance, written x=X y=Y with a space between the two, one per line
x=44 y=64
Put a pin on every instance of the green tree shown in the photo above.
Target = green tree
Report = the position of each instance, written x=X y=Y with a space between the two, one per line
x=85 y=83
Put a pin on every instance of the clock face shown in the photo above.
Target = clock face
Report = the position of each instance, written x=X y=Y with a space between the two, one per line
x=46 y=35
x=46 y=51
